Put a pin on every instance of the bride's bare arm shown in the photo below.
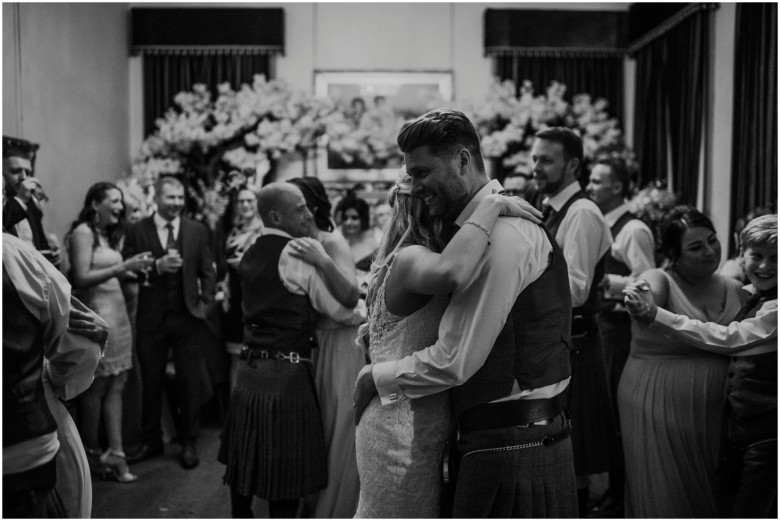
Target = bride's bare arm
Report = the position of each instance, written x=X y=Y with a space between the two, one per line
x=333 y=260
x=421 y=271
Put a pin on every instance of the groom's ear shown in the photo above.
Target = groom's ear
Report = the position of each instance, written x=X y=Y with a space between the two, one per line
x=464 y=160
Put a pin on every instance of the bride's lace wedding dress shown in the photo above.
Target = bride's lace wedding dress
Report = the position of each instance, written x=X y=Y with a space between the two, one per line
x=400 y=447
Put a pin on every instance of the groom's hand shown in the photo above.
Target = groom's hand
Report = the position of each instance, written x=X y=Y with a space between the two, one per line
x=365 y=389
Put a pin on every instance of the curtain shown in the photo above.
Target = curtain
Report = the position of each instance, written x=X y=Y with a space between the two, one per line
x=167 y=74
x=600 y=75
x=672 y=91
x=754 y=143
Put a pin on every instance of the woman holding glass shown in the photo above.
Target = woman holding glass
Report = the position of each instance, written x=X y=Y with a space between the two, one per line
x=96 y=267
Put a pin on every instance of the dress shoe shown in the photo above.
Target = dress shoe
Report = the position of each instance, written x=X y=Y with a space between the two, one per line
x=608 y=507
x=189 y=456
x=145 y=452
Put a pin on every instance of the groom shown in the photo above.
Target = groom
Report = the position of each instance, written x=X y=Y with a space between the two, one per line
x=503 y=346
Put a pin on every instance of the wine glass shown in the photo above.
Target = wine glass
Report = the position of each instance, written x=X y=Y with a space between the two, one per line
x=145 y=271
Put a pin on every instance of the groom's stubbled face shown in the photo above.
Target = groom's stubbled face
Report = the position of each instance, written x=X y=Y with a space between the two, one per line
x=438 y=180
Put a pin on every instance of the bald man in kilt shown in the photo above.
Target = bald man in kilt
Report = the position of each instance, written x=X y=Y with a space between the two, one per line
x=273 y=442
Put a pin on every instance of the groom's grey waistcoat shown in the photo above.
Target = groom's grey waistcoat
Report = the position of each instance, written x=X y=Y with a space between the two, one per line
x=533 y=347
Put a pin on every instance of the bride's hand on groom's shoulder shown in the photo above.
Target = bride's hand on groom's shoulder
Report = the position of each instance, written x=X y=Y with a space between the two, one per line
x=514 y=206
x=365 y=389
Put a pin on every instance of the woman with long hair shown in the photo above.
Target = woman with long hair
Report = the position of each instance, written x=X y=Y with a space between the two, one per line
x=338 y=359
x=96 y=267
x=670 y=395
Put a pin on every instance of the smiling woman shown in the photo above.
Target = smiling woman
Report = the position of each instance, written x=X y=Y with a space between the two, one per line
x=94 y=245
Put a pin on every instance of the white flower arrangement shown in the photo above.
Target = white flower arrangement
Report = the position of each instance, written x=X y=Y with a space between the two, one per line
x=507 y=123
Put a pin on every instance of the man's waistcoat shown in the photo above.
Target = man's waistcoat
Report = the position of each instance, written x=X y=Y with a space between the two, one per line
x=25 y=412
x=533 y=347
x=274 y=318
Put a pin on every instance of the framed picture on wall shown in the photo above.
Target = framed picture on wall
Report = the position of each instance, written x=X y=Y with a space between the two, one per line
x=371 y=107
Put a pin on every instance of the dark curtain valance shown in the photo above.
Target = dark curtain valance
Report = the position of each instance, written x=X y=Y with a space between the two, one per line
x=569 y=33
x=551 y=52
x=195 y=31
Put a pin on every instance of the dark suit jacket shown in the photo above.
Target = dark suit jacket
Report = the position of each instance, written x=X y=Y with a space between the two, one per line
x=198 y=274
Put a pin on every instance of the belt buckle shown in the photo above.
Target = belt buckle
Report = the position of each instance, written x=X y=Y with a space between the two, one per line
x=264 y=354
x=294 y=357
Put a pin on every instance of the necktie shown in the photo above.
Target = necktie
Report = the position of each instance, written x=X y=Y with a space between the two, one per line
x=171 y=242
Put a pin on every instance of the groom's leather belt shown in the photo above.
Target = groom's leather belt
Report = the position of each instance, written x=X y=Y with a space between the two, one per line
x=512 y=413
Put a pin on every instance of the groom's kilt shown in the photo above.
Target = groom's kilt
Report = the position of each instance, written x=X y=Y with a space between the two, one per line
x=272 y=442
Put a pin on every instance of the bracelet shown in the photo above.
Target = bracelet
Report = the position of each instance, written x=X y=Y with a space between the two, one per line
x=481 y=227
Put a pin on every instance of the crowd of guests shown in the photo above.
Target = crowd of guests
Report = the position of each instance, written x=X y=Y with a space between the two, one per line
x=524 y=336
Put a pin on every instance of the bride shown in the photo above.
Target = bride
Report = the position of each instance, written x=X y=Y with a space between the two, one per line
x=400 y=447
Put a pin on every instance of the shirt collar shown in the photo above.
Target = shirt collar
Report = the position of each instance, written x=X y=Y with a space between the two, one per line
x=276 y=231
x=558 y=200
x=22 y=203
x=161 y=223
x=613 y=216
x=489 y=188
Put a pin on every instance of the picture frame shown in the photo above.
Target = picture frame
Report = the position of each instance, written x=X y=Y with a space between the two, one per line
x=362 y=144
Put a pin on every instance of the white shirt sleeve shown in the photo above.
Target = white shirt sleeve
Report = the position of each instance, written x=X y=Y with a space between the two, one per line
x=517 y=256
x=302 y=279
x=732 y=339
x=634 y=246
x=584 y=238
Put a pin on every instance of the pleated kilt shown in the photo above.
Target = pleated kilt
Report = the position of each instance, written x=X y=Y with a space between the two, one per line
x=507 y=473
x=273 y=443
x=594 y=434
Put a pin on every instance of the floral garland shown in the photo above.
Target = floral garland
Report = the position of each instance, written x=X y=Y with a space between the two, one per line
x=507 y=123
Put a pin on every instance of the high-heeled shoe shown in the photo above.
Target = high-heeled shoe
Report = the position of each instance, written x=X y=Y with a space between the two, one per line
x=111 y=464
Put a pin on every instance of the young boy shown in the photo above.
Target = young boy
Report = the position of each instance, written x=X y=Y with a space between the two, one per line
x=750 y=472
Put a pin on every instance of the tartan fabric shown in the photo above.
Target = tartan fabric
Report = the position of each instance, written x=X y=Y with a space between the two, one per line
x=533 y=482
x=272 y=443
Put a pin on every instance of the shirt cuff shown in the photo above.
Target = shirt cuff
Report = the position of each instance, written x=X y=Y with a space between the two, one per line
x=663 y=317
x=386 y=385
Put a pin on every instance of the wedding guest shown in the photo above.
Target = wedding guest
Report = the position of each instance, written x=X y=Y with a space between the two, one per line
x=670 y=395
x=749 y=477
x=503 y=341
x=353 y=213
x=38 y=314
x=273 y=445
x=173 y=302
x=338 y=357
x=22 y=215
x=523 y=185
x=96 y=269
x=381 y=215
x=733 y=266
x=247 y=227
x=632 y=253
x=582 y=233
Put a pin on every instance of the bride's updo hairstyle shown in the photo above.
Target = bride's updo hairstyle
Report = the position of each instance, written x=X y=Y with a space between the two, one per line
x=409 y=223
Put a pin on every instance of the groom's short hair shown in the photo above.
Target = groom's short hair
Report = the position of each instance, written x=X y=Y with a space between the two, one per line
x=444 y=131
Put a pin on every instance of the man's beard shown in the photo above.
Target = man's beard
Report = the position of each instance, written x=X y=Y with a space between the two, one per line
x=552 y=187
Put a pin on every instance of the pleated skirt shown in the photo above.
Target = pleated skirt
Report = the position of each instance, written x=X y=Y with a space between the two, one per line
x=594 y=434
x=272 y=443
